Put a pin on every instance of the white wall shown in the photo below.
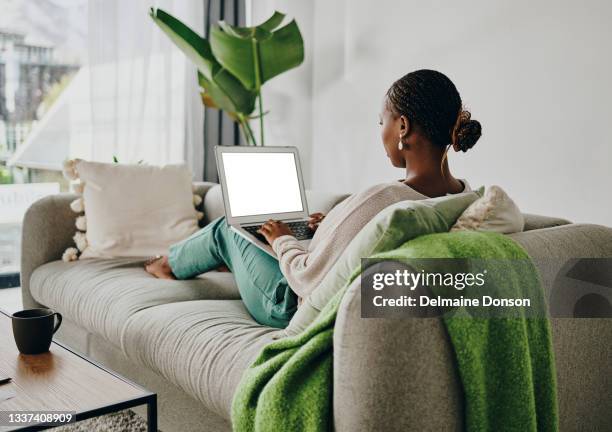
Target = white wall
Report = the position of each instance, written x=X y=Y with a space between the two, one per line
x=536 y=74
x=289 y=97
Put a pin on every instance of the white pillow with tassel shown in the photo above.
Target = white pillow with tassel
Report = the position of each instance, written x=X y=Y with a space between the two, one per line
x=130 y=210
x=494 y=211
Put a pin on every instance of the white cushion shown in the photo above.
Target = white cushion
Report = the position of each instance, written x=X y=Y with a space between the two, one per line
x=134 y=210
x=495 y=211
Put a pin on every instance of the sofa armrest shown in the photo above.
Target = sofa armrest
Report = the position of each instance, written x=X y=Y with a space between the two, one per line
x=393 y=374
x=48 y=228
x=400 y=374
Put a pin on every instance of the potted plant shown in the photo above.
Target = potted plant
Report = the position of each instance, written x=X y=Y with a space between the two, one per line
x=236 y=61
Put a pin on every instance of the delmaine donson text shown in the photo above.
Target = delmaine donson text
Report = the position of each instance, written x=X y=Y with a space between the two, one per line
x=411 y=280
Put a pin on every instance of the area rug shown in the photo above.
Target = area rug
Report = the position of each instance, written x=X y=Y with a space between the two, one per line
x=122 y=421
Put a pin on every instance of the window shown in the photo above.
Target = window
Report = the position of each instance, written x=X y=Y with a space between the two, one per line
x=94 y=79
x=42 y=47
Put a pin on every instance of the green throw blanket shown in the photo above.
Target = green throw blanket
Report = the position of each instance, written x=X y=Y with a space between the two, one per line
x=506 y=365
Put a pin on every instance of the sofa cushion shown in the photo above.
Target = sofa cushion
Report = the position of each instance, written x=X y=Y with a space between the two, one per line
x=101 y=294
x=534 y=222
x=202 y=346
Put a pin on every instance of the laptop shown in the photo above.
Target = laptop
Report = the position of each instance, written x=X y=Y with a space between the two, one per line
x=262 y=183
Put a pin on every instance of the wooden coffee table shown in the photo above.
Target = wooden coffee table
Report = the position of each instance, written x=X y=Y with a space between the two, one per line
x=63 y=380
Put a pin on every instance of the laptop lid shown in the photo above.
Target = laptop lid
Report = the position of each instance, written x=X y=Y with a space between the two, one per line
x=261 y=183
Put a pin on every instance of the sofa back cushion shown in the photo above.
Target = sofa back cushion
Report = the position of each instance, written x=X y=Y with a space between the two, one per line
x=535 y=222
x=391 y=228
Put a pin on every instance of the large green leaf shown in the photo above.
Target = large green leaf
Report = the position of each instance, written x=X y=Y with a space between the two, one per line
x=246 y=32
x=273 y=22
x=236 y=54
x=224 y=93
x=191 y=43
x=281 y=52
x=256 y=54
x=221 y=89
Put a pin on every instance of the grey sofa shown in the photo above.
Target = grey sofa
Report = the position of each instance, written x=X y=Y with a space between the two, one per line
x=190 y=341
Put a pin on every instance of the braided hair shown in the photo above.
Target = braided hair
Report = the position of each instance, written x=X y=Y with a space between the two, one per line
x=430 y=99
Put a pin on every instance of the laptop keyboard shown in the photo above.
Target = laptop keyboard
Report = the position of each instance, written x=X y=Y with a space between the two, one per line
x=253 y=231
x=299 y=229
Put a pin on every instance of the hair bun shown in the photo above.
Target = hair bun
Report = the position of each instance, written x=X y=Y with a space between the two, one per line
x=466 y=132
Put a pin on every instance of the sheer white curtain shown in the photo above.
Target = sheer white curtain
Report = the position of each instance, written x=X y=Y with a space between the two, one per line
x=144 y=103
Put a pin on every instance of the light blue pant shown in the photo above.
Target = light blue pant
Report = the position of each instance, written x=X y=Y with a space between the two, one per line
x=263 y=288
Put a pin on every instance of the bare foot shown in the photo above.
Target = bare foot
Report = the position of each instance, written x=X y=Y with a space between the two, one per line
x=223 y=268
x=160 y=268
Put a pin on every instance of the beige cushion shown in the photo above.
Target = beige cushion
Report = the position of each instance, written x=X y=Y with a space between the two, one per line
x=101 y=294
x=134 y=210
x=202 y=346
x=495 y=211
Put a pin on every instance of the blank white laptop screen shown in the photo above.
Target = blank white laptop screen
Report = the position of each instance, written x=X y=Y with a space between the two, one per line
x=261 y=183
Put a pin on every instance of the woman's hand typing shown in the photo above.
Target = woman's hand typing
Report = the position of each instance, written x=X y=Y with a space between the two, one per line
x=273 y=229
x=315 y=220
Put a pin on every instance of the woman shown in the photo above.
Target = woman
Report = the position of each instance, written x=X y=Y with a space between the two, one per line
x=421 y=118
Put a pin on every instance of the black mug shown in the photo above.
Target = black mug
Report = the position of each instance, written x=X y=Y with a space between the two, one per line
x=34 y=328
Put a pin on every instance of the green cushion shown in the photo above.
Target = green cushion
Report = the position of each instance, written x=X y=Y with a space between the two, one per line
x=391 y=228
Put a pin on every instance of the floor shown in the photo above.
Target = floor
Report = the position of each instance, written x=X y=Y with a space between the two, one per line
x=10 y=299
